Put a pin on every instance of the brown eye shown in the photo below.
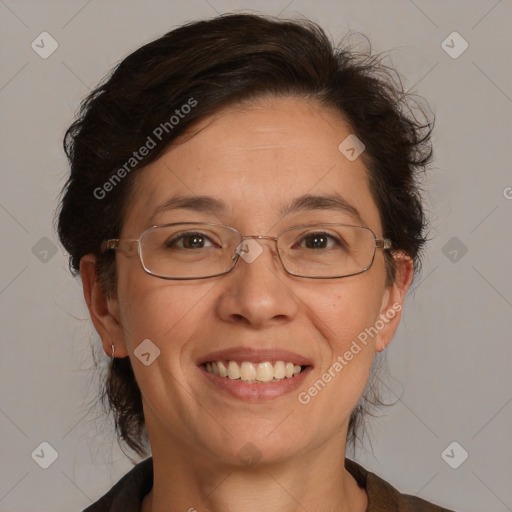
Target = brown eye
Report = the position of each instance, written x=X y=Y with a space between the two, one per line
x=316 y=241
x=321 y=241
x=189 y=241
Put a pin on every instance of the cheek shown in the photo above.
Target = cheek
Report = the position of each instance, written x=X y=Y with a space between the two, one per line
x=165 y=312
x=342 y=311
x=345 y=315
x=171 y=316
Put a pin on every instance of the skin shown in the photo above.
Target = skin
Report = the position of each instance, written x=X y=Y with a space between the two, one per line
x=253 y=158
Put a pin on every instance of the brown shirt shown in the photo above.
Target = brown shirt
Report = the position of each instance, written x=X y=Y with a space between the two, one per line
x=127 y=494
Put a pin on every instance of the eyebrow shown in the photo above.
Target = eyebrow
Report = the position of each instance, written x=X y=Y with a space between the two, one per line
x=307 y=202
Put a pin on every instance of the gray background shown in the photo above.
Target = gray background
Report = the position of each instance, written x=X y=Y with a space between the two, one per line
x=450 y=360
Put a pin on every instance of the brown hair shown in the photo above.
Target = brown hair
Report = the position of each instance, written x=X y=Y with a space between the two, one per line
x=209 y=65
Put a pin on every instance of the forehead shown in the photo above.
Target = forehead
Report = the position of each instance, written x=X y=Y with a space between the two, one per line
x=256 y=159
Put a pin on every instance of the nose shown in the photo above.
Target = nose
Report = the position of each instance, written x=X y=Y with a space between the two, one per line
x=257 y=292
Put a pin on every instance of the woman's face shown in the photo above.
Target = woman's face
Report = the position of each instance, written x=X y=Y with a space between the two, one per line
x=255 y=161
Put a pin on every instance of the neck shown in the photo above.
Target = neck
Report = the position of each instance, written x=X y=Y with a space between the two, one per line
x=311 y=481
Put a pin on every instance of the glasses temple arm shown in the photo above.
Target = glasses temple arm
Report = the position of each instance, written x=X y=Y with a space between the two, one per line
x=118 y=243
x=385 y=243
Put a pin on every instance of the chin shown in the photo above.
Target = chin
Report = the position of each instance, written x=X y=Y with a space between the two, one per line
x=257 y=451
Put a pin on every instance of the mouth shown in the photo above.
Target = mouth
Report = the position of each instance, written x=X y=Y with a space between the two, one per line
x=247 y=371
x=254 y=374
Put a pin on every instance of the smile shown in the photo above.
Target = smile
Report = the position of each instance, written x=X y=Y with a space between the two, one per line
x=254 y=374
x=249 y=372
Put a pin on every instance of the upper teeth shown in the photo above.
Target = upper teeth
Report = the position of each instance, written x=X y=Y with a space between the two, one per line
x=250 y=372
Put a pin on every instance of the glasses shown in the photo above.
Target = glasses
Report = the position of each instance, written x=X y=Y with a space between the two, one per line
x=190 y=250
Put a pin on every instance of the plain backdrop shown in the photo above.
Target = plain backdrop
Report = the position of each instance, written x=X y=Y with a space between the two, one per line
x=449 y=363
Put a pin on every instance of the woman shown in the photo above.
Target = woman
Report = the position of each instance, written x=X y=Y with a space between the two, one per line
x=244 y=215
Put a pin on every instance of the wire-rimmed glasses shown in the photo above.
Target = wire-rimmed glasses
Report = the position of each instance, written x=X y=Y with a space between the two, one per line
x=195 y=250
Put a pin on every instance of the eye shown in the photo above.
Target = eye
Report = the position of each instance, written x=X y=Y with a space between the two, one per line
x=320 y=241
x=195 y=240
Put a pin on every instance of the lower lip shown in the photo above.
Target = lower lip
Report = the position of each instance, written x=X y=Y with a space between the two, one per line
x=257 y=391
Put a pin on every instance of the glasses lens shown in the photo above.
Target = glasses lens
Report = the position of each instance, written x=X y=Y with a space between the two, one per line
x=327 y=250
x=188 y=250
x=196 y=250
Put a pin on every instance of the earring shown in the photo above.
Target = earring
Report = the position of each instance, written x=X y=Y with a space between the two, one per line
x=113 y=352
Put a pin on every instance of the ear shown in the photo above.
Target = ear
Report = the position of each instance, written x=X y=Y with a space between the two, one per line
x=393 y=300
x=104 y=309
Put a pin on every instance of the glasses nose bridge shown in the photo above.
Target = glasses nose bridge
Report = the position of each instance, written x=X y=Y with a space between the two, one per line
x=261 y=237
